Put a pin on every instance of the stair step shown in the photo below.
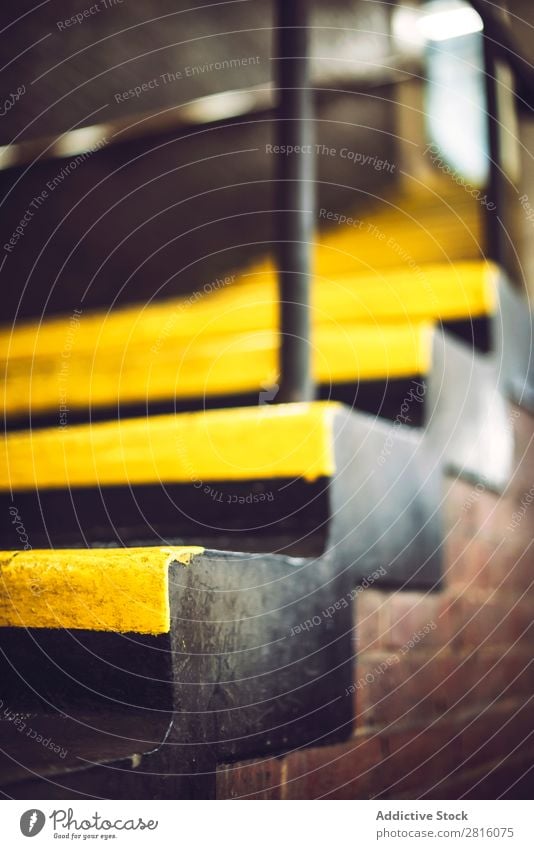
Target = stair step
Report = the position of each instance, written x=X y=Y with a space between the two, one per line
x=226 y=343
x=302 y=479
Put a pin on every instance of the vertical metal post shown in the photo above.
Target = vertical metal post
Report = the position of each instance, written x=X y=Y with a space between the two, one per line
x=495 y=247
x=501 y=221
x=295 y=177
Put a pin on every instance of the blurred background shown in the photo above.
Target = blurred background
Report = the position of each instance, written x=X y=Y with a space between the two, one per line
x=137 y=134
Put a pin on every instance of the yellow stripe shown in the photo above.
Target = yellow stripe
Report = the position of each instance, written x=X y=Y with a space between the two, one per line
x=226 y=342
x=110 y=589
x=415 y=235
x=465 y=291
x=286 y=440
x=436 y=291
x=217 y=365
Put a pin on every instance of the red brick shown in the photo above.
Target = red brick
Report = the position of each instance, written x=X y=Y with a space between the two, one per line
x=491 y=780
x=482 y=557
x=369 y=614
x=451 y=620
x=346 y=771
x=459 y=506
x=479 y=563
x=404 y=688
x=514 y=567
x=478 y=618
x=420 y=758
x=409 y=612
x=524 y=451
x=478 y=678
x=482 y=618
x=493 y=515
x=259 y=779
x=498 y=619
x=496 y=733
x=427 y=685
x=509 y=569
x=516 y=618
x=459 y=565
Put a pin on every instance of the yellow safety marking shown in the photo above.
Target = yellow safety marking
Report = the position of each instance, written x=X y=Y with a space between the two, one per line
x=110 y=589
x=250 y=443
x=433 y=292
x=212 y=365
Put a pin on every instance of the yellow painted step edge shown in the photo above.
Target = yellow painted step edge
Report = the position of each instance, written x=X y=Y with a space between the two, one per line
x=433 y=292
x=112 y=589
x=249 y=443
x=241 y=363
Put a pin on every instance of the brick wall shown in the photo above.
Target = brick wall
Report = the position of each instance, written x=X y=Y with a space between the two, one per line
x=444 y=681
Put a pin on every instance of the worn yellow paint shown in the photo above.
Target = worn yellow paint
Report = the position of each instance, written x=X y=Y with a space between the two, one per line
x=214 y=365
x=279 y=441
x=120 y=590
